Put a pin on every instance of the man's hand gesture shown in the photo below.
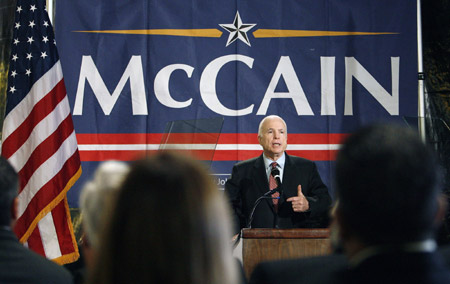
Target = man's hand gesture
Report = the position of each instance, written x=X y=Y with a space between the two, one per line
x=299 y=202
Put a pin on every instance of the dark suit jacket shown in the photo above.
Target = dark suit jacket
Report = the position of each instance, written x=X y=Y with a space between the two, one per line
x=20 y=265
x=311 y=270
x=388 y=268
x=445 y=253
x=398 y=267
x=248 y=182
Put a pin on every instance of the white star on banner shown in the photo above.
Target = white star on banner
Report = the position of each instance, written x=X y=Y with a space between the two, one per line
x=44 y=54
x=12 y=89
x=32 y=8
x=237 y=30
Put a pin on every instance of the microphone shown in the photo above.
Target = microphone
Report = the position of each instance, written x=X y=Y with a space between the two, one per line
x=276 y=174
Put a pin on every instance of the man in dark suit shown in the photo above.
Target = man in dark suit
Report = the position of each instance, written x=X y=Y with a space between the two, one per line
x=17 y=263
x=304 y=199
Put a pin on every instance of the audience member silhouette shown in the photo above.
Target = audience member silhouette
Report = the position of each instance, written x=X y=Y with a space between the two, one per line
x=170 y=225
x=389 y=208
x=96 y=200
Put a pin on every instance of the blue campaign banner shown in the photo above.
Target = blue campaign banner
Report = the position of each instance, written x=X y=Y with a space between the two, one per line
x=325 y=66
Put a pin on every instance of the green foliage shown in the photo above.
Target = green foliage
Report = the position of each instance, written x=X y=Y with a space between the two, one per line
x=3 y=85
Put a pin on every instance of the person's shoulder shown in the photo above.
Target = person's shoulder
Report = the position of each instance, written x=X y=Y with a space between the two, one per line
x=27 y=264
x=317 y=269
x=48 y=267
x=444 y=251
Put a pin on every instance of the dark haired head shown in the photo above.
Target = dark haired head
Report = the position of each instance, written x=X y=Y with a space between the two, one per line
x=387 y=185
x=170 y=225
x=8 y=191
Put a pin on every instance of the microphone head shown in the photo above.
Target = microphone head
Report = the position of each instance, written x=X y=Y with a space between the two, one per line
x=275 y=173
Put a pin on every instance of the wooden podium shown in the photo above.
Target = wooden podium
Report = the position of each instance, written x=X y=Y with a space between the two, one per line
x=273 y=244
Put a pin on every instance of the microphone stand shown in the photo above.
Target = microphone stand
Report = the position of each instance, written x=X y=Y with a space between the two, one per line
x=266 y=195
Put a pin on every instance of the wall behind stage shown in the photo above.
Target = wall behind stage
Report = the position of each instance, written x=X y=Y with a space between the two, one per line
x=325 y=66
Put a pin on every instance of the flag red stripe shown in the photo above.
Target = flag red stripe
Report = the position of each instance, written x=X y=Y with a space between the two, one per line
x=45 y=150
x=40 y=110
x=60 y=219
x=47 y=194
x=35 y=242
x=198 y=138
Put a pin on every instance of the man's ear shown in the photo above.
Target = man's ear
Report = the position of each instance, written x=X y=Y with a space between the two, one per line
x=14 y=208
x=441 y=211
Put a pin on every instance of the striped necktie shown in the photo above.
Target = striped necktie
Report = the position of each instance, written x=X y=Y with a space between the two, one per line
x=273 y=185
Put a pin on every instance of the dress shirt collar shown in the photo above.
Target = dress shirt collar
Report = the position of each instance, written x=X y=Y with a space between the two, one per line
x=281 y=160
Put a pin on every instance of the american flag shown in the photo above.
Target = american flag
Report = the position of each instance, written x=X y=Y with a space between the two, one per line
x=38 y=136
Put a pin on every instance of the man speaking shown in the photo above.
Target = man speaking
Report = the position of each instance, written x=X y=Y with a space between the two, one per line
x=293 y=194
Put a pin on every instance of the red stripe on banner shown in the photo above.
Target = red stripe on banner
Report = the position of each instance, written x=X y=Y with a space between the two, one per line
x=45 y=150
x=189 y=138
x=122 y=138
x=35 y=242
x=314 y=155
x=222 y=155
x=47 y=194
x=224 y=138
x=37 y=114
x=126 y=155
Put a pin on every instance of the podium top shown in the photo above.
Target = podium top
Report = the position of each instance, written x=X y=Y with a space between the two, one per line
x=267 y=233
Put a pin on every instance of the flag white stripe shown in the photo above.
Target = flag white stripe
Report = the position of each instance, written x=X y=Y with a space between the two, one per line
x=39 y=90
x=49 y=237
x=42 y=131
x=138 y=147
x=47 y=171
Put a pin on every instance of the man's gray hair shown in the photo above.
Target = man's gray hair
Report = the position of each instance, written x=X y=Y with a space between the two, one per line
x=97 y=194
x=269 y=117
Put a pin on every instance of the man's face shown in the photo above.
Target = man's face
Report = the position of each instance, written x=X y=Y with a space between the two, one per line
x=273 y=138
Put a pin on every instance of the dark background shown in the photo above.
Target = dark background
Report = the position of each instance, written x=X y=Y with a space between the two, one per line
x=436 y=59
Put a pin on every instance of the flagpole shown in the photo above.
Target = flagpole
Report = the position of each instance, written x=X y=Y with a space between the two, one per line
x=50 y=10
x=421 y=76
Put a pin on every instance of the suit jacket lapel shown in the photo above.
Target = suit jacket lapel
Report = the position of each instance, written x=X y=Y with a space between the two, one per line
x=289 y=180
x=259 y=176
